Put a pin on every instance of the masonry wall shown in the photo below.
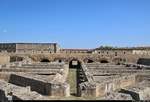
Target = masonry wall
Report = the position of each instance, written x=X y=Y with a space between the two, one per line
x=116 y=84
x=100 y=89
x=45 y=88
x=4 y=59
x=22 y=81
x=37 y=48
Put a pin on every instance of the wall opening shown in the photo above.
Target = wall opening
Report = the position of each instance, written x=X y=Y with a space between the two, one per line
x=59 y=61
x=45 y=60
x=74 y=64
x=104 y=61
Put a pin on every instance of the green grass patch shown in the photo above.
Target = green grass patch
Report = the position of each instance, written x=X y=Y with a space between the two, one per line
x=72 y=80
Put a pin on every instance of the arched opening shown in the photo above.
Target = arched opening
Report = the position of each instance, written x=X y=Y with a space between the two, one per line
x=74 y=64
x=104 y=61
x=60 y=61
x=45 y=60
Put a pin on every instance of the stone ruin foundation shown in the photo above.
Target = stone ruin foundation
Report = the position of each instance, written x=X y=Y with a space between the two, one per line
x=43 y=81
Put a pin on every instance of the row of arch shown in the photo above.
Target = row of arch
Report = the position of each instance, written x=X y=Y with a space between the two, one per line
x=87 y=61
x=104 y=60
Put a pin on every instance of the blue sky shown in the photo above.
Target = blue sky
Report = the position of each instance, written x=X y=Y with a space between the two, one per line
x=76 y=23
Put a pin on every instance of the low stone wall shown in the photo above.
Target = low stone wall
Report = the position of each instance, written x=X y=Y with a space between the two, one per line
x=100 y=89
x=60 y=90
x=145 y=94
x=87 y=74
x=87 y=89
x=36 y=85
x=40 y=85
x=140 y=91
x=18 y=93
x=37 y=69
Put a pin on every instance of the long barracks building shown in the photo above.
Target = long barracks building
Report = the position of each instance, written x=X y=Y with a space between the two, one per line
x=36 y=48
x=29 y=47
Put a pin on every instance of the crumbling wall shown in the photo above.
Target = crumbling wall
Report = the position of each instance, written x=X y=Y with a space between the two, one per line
x=41 y=86
x=100 y=89
x=145 y=94
x=36 y=85
x=115 y=84
x=60 y=90
x=88 y=89
x=17 y=92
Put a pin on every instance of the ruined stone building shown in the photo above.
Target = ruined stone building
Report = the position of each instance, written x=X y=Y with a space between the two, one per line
x=44 y=71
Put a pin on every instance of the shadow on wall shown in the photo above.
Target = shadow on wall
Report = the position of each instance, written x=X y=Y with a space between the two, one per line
x=144 y=61
x=15 y=58
x=134 y=95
